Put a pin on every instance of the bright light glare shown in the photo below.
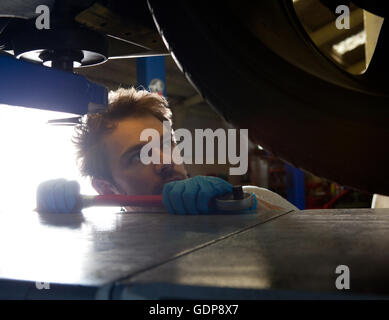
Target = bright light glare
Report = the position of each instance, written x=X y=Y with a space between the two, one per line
x=350 y=43
x=32 y=152
x=49 y=63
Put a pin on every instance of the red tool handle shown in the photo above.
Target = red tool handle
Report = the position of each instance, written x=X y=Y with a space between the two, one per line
x=126 y=200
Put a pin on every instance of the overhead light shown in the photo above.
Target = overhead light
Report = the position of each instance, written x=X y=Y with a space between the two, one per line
x=49 y=63
x=350 y=43
x=37 y=152
x=259 y=147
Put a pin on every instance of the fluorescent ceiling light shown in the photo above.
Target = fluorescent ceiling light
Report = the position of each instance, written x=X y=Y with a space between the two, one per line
x=350 y=43
x=33 y=151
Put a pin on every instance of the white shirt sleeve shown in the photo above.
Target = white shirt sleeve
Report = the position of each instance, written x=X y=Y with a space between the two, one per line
x=270 y=197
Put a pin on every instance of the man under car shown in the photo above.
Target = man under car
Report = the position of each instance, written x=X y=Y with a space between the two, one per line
x=108 y=148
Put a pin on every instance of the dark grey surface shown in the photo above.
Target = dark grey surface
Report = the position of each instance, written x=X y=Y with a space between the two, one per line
x=97 y=249
x=275 y=254
x=297 y=252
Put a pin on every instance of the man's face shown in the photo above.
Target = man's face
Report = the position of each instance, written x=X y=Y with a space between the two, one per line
x=123 y=148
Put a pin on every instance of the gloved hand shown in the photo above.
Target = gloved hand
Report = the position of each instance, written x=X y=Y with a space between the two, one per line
x=58 y=196
x=192 y=196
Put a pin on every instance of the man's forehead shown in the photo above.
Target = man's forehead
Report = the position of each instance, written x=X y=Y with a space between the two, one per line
x=133 y=126
x=126 y=133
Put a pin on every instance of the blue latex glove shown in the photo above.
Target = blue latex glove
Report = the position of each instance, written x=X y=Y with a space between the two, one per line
x=192 y=196
x=58 y=196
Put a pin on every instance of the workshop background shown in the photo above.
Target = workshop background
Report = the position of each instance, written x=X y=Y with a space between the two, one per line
x=345 y=47
x=278 y=68
x=47 y=152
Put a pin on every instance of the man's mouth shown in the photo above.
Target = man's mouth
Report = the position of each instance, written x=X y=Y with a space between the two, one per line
x=175 y=178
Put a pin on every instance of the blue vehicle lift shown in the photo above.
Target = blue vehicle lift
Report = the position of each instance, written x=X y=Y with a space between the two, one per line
x=149 y=70
x=295 y=186
x=30 y=85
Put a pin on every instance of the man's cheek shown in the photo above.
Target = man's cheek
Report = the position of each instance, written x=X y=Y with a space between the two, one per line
x=145 y=184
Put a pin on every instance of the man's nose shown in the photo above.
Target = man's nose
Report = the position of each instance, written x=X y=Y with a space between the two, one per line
x=164 y=168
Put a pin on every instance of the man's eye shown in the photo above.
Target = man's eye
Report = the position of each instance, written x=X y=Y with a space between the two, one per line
x=135 y=158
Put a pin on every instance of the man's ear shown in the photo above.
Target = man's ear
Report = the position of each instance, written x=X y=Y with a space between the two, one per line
x=103 y=186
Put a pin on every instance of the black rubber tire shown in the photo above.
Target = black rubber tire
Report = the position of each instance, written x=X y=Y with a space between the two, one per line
x=322 y=120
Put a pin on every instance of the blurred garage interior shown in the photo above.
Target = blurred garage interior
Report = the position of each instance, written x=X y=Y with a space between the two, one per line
x=317 y=126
